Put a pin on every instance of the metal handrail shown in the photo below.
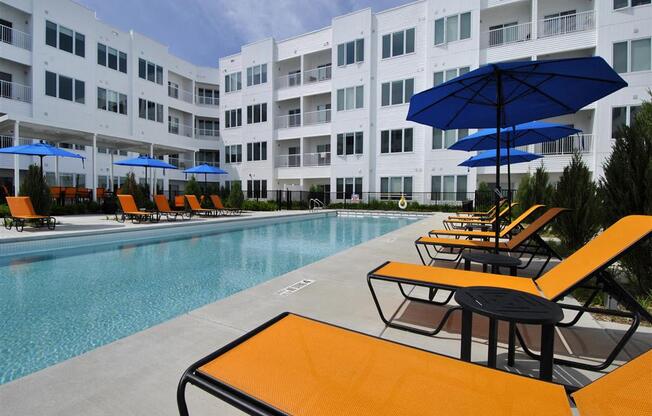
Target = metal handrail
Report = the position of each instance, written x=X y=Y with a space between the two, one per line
x=179 y=94
x=15 y=91
x=570 y=23
x=289 y=80
x=506 y=35
x=213 y=101
x=317 y=75
x=316 y=117
x=314 y=204
x=288 y=121
x=180 y=129
x=15 y=37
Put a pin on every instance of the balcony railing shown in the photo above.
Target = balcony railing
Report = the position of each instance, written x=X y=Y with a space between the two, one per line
x=288 y=161
x=179 y=94
x=15 y=37
x=15 y=91
x=317 y=75
x=204 y=162
x=181 y=163
x=287 y=81
x=317 y=159
x=316 y=117
x=212 y=101
x=581 y=142
x=507 y=35
x=288 y=121
x=206 y=133
x=571 y=23
x=180 y=129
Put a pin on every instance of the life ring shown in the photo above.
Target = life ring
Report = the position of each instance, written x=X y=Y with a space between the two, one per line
x=402 y=203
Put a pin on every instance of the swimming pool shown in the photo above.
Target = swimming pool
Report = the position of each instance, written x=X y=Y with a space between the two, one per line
x=58 y=305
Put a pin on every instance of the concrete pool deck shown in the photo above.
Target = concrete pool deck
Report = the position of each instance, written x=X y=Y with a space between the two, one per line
x=138 y=375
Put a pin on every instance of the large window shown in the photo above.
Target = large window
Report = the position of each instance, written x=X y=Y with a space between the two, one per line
x=346 y=187
x=622 y=116
x=149 y=110
x=396 y=141
x=621 y=4
x=349 y=143
x=111 y=101
x=448 y=188
x=233 y=153
x=393 y=187
x=632 y=55
x=233 y=118
x=443 y=139
x=257 y=113
x=398 y=43
x=256 y=74
x=452 y=28
x=350 y=52
x=65 y=88
x=397 y=92
x=111 y=58
x=440 y=77
x=150 y=71
x=233 y=82
x=65 y=39
x=350 y=98
x=257 y=188
x=256 y=151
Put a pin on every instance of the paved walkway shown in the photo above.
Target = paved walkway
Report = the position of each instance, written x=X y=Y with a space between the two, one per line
x=138 y=375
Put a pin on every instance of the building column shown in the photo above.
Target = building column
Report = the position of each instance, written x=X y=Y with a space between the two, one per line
x=111 y=184
x=153 y=178
x=94 y=167
x=535 y=20
x=56 y=168
x=16 y=159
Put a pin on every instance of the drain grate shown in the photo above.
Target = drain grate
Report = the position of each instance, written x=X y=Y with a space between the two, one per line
x=295 y=287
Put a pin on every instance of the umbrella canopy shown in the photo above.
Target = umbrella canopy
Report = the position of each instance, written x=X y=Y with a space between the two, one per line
x=520 y=135
x=488 y=158
x=505 y=94
x=146 y=162
x=206 y=169
x=41 y=150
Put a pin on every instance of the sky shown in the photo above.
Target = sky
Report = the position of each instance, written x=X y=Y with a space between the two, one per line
x=202 y=31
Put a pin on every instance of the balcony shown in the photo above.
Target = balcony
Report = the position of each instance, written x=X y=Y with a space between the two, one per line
x=507 y=35
x=15 y=37
x=180 y=129
x=289 y=81
x=179 y=94
x=15 y=91
x=566 y=146
x=209 y=163
x=288 y=161
x=209 y=101
x=207 y=134
x=316 y=117
x=181 y=163
x=288 y=121
x=317 y=75
x=309 y=160
x=561 y=25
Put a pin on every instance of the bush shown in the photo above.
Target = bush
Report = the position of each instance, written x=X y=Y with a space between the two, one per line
x=534 y=189
x=131 y=187
x=576 y=191
x=626 y=189
x=484 y=197
x=4 y=210
x=236 y=197
x=193 y=188
x=79 y=208
x=34 y=186
x=261 y=205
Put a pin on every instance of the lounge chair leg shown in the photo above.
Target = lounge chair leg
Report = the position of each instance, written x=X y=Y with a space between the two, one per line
x=181 y=396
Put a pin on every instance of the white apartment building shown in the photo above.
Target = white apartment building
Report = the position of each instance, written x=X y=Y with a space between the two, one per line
x=326 y=108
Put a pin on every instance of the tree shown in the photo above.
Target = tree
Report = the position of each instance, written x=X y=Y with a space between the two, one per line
x=193 y=188
x=35 y=187
x=236 y=197
x=534 y=189
x=626 y=189
x=576 y=191
x=131 y=187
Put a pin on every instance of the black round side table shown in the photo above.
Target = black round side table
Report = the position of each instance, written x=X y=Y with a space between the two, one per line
x=495 y=260
x=514 y=307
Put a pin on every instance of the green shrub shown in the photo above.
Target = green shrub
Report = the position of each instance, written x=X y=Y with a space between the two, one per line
x=192 y=187
x=484 y=197
x=576 y=191
x=131 y=187
x=4 y=210
x=534 y=189
x=78 y=208
x=626 y=189
x=261 y=205
x=35 y=187
x=236 y=197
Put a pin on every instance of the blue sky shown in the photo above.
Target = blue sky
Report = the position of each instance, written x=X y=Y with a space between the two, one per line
x=201 y=31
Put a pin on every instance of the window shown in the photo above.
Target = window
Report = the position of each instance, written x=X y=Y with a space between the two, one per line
x=398 y=43
x=149 y=110
x=122 y=62
x=233 y=153
x=256 y=75
x=112 y=62
x=80 y=93
x=65 y=39
x=632 y=56
x=208 y=96
x=233 y=118
x=257 y=113
x=257 y=188
x=65 y=88
x=452 y=28
x=173 y=89
x=396 y=141
x=393 y=187
x=443 y=139
x=621 y=4
x=233 y=82
x=350 y=52
x=111 y=101
x=350 y=98
x=346 y=187
x=50 y=84
x=349 y=143
x=256 y=151
x=454 y=188
x=150 y=71
x=80 y=45
x=101 y=54
x=443 y=76
x=461 y=188
x=50 y=33
x=622 y=116
x=397 y=92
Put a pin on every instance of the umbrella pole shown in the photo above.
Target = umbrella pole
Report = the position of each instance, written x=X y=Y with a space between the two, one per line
x=498 y=194
x=146 y=183
x=205 y=184
x=509 y=177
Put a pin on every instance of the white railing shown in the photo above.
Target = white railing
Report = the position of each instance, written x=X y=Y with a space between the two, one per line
x=566 y=146
x=288 y=81
x=560 y=25
x=317 y=159
x=180 y=129
x=206 y=133
x=213 y=164
x=288 y=161
x=179 y=94
x=15 y=37
x=213 y=101
x=507 y=35
x=15 y=91
x=6 y=141
x=316 y=117
x=288 y=121
x=181 y=163
x=317 y=75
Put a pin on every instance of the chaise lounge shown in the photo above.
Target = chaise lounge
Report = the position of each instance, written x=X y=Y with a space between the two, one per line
x=217 y=203
x=22 y=211
x=131 y=212
x=163 y=208
x=195 y=207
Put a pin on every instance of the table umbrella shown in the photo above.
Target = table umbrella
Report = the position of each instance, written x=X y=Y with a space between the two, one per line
x=506 y=94
x=41 y=150
x=488 y=158
x=206 y=170
x=146 y=162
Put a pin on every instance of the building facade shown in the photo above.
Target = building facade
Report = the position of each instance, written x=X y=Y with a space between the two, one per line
x=324 y=109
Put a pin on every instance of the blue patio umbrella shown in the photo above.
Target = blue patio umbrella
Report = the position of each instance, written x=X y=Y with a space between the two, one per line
x=206 y=170
x=41 y=150
x=506 y=94
x=146 y=162
x=488 y=158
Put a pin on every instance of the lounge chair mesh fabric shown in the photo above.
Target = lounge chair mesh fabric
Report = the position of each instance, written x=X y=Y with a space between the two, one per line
x=21 y=207
x=162 y=203
x=195 y=206
x=507 y=229
x=129 y=206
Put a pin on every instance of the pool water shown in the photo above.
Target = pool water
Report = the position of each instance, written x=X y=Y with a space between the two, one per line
x=61 y=305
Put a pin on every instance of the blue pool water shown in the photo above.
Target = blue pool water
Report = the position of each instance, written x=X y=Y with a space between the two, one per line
x=58 y=306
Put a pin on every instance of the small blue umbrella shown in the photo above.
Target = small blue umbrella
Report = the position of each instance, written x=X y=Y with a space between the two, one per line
x=41 y=150
x=146 y=162
x=206 y=170
x=488 y=158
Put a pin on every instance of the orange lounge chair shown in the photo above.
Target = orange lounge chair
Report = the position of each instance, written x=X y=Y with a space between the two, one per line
x=130 y=211
x=472 y=222
x=217 y=203
x=480 y=214
x=163 y=208
x=293 y=365
x=180 y=203
x=22 y=211
x=195 y=207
